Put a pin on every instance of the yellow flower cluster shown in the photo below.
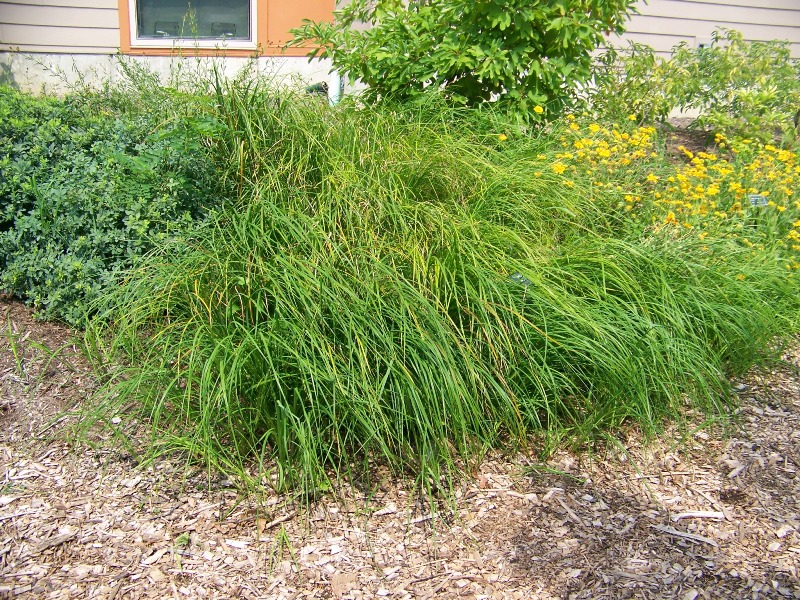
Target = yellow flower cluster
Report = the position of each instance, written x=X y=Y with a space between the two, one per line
x=749 y=194
x=753 y=196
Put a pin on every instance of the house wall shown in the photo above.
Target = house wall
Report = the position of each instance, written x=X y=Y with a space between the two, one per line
x=78 y=38
x=50 y=45
x=103 y=26
x=664 y=23
x=93 y=26
x=58 y=73
x=56 y=26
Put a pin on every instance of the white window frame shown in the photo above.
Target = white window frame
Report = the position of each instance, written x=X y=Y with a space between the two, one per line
x=210 y=43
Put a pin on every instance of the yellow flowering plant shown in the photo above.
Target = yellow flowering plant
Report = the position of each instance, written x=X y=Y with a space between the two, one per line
x=745 y=196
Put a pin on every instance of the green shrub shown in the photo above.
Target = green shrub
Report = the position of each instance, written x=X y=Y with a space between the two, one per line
x=84 y=192
x=633 y=81
x=528 y=56
x=740 y=89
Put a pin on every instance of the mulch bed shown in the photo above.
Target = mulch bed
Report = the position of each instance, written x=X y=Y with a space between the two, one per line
x=693 y=514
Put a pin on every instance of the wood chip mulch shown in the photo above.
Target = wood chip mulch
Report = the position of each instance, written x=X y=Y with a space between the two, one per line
x=702 y=516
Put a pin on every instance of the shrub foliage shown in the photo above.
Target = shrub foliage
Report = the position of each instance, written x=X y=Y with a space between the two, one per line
x=744 y=90
x=524 y=54
x=84 y=192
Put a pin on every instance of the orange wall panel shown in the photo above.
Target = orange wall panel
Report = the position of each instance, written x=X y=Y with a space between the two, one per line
x=283 y=15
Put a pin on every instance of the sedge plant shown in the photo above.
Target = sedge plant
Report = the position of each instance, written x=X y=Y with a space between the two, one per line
x=410 y=284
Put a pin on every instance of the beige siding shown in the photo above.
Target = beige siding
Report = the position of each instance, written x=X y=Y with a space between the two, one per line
x=767 y=4
x=69 y=26
x=664 y=23
x=92 y=26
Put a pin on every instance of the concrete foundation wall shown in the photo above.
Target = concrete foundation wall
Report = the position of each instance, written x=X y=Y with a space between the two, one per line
x=58 y=73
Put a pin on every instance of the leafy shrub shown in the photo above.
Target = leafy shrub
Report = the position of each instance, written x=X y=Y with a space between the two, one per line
x=633 y=81
x=83 y=193
x=741 y=89
x=523 y=54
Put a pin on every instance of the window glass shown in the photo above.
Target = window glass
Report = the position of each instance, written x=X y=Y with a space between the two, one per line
x=198 y=19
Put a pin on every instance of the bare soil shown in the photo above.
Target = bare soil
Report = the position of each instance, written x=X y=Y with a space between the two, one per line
x=705 y=515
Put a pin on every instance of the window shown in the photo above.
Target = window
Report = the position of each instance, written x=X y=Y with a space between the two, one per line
x=204 y=23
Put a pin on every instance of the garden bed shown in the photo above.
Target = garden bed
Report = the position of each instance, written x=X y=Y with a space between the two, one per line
x=701 y=516
x=313 y=300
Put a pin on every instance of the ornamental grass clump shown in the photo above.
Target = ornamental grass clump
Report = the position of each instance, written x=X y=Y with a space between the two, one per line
x=405 y=285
